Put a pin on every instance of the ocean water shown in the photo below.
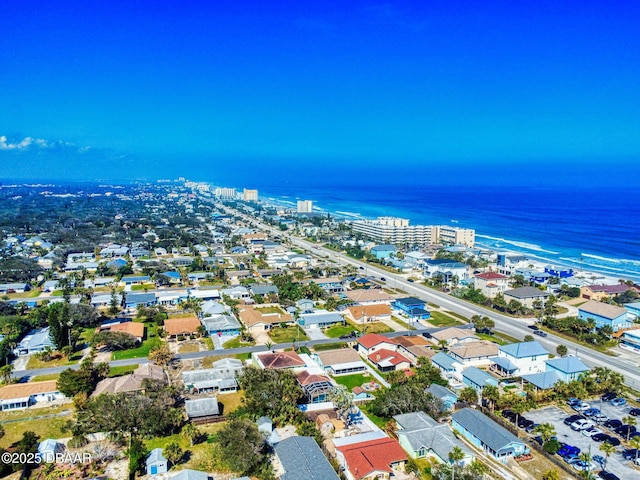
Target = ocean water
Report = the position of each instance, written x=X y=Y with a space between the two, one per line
x=588 y=228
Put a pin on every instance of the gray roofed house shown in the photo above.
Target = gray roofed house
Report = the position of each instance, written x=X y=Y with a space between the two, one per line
x=448 y=365
x=446 y=396
x=421 y=436
x=257 y=289
x=202 y=407
x=320 y=318
x=156 y=462
x=221 y=377
x=542 y=381
x=132 y=300
x=486 y=434
x=478 y=379
x=526 y=295
x=189 y=474
x=221 y=325
x=34 y=341
x=300 y=458
x=14 y=287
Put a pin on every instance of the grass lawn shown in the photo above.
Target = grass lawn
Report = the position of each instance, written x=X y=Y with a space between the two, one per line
x=376 y=327
x=27 y=294
x=439 y=319
x=138 y=288
x=57 y=293
x=55 y=362
x=119 y=371
x=162 y=442
x=230 y=401
x=143 y=350
x=235 y=343
x=491 y=338
x=18 y=422
x=336 y=331
x=208 y=342
x=287 y=334
x=351 y=381
x=44 y=378
x=328 y=346
x=379 y=421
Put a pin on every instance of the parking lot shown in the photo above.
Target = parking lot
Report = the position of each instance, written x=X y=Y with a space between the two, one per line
x=555 y=416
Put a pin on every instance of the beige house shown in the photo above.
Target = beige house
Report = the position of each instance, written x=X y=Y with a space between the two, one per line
x=264 y=317
x=369 y=296
x=476 y=354
x=490 y=283
x=369 y=313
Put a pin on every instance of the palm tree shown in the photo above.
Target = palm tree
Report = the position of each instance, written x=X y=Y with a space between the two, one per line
x=635 y=443
x=492 y=394
x=608 y=449
x=546 y=431
x=629 y=420
x=191 y=432
x=5 y=372
x=455 y=455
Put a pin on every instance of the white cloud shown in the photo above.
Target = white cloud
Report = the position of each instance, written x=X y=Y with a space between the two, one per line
x=22 y=144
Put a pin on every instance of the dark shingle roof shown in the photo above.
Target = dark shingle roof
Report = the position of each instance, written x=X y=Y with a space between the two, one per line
x=302 y=458
x=482 y=427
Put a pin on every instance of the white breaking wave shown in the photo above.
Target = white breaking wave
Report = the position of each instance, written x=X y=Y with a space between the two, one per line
x=612 y=260
x=528 y=246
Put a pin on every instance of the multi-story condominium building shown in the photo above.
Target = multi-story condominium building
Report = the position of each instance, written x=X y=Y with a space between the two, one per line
x=250 y=195
x=305 y=206
x=225 y=192
x=397 y=231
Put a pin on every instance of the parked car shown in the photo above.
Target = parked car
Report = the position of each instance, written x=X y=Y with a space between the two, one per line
x=581 y=407
x=570 y=459
x=613 y=423
x=625 y=430
x=591 y=431
x=582 y=465
x=591 y=412
x=619 y=401
x=634 y=411
x=542 y=333
x=630 y=453
x=573 y=401
x=600 y=418
x=524 y=422
x=607 y=397
x=531 y=427
x=581 y=425
x=613 y=440
x=599 y=437
x=598 y=459
x=607 y=475
x=572 y=418
x=567 y=450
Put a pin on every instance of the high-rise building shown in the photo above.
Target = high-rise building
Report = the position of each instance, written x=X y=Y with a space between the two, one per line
x=250 y=195
x=225 y=192
x=397 y=231
x=305 y=206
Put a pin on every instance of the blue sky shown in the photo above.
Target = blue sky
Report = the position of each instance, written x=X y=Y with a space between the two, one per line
x=151 y=89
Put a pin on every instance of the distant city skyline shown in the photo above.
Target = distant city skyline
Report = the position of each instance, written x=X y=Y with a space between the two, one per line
x=117 y=90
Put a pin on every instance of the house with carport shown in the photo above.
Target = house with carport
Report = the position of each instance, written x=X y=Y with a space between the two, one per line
x=526 y=295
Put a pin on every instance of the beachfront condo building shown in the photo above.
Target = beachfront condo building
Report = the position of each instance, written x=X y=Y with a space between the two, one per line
x=397 y=231
x=250 y=195
x=225 y=192
x=305 y=206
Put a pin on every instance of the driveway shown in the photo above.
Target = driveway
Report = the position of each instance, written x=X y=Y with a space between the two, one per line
x=315 y=334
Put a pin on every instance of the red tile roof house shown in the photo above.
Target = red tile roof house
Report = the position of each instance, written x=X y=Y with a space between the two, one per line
x=388 y=360
x=490 y=283
x=278 y=360
x=371 y=342
x=375 y=459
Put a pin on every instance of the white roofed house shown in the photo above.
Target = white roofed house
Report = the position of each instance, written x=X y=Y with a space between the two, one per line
x=220 y=378
x=522 y=358
x=221 y=325
x=35 y=341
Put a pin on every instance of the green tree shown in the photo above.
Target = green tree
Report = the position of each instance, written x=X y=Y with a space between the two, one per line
x=528 y=338
x=551 y=475
x=491 y=393
x=137 y=454
x=114 y=304
x=114 y=340
x=546 y=431
x=190 y=431
x=173 y=453
x=562 y=350
x=241 y=446
x=607 y=448
x=635 y=443
x=455 y=456
x=629 y=420
x=468 y=395
x=6 y=371
x=161 y=355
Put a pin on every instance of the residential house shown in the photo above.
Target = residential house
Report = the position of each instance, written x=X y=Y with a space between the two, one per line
x=133 y=382
x=35 y=341
x=135 y=279
x=558 y=272
x=189 y=474
x=630 y=340
x=373 y=459
x=156 y=463
x=135 y=329
x=134 y=300
x=414 y=347
x=369 y=296
x=6 y=288
x=237 y=293
x=449 y=367
x=412 y=307
x=202 y=410
x=181 y=326
x=316 y=387
x=320 y=319
x=23 y=395
x=171 y=277
x=298 y=458
x=478 y=379
x=446 y=270
x=342 y=361
x=265 y=291
x=221 y=325
x=369 y=313
x=382 y=252
x=490 y=283
x=416 y=259
x=526 y=295
x=453 y=336
x=446 y=396
x=220 y=378
x=478 y=353
x=568 y=369
x=517 y=359
x=507 y=264
x=421 y=436
x=49 y=449
x=264 y=317
x=604 y=314
x=388 y=360
x=278 y=360
x=601 y=292
x=331 y=285
x=487 y=435
x=371 y=342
